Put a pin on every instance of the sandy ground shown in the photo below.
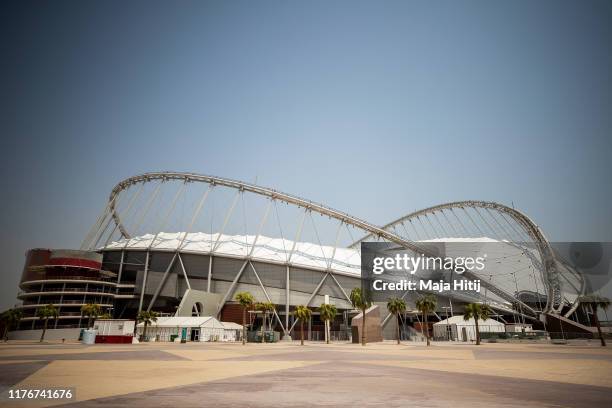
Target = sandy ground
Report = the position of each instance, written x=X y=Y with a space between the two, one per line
x=290 y=375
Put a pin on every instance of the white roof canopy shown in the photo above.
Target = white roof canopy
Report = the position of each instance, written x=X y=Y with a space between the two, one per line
x=174 y=321
x=266 y=249
x=458 y=320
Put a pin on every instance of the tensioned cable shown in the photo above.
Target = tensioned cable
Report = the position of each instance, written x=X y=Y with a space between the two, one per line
x=519 y=304
x=535 y=281
x=394 y=228
x=489 y=211
x=317 y=235
x=450 y=223
x=212 y=216
x=515 y=270
x=280 y=228
x=444 y=232
x=352 y=239
x=416 y=231
x=298 y=234
x=125 y=212
x=230 y=210
x=162 y=225
x=406 y=231
x=495 y=234
x=333 y=256
x=452 y=210
x=495 y=216
x=195 y=215
x=473 y=222
x=518 y=233
x=435 y=231
x=423 y=226
x=244 y=221
x=95 y=226
x=145 y=212
x=100 y=232
x=506 y=257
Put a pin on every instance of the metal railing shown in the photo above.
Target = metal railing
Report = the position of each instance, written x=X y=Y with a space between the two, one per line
x=335 y=335
x=68 y=277
x=48 y=291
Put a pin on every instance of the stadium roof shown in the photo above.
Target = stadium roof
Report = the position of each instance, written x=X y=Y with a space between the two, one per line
x=276 y=250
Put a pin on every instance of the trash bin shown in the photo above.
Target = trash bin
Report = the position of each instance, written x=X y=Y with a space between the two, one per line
x=89 y=336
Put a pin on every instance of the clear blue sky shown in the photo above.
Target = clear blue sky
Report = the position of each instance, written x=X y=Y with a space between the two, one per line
x=375 y=108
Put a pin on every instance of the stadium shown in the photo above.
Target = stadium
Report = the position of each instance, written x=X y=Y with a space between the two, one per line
x=184 y=244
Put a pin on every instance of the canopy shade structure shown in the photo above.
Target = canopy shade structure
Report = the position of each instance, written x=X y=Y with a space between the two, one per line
x=457 y=328
x=203 y=328
x=173 y=321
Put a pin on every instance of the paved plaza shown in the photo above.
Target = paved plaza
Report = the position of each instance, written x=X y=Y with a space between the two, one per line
x=289 y=375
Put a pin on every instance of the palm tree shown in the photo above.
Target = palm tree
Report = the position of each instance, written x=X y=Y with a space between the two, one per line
x=147 y=317
x=91 y=311
x=45 y=313
x=267 y=308
x=303 y=313
x=395 y=306
x=477 y=311
x=426 y=304
x=328 y=313
x=596 y=302
x=10 y=318
x=260 y=307
x=359 y=301
x=246 y=300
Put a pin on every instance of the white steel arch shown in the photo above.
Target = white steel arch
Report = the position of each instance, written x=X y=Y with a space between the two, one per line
x=264 y=191
x=549 y=262
x=112 y=214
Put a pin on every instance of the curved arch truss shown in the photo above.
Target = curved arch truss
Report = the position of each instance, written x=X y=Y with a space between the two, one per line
x=476 y=219
x=133 y=209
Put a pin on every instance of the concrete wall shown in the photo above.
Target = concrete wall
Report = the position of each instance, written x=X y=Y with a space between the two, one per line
x=373 y=325
x=52 y=334
x=209 y=302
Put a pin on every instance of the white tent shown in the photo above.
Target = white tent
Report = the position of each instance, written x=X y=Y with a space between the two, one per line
x=233 y=331
x=204 y=328
x=456 y=328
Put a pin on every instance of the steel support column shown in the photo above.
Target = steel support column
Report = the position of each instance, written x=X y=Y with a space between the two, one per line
x=144 y=282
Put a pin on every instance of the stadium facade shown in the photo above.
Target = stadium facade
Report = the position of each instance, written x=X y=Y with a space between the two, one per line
x=139 y=256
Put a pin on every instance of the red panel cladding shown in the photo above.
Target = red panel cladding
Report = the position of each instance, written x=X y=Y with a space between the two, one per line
x=83 y=263
x=232 y=312
x=72 y=257
x=34 y=257
x=114 y=339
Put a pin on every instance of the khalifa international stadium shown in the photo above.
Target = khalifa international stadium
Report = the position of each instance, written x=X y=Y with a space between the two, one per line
x=185 y=244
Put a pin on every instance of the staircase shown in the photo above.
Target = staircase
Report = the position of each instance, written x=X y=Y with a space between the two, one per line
x=414 y=334
x=575 y=326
